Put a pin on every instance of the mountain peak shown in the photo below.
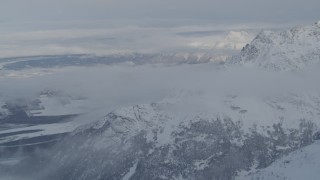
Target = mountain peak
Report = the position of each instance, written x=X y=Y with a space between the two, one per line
x=282 y=50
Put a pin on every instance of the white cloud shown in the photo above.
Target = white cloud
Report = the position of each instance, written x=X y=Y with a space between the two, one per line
x=128 y=39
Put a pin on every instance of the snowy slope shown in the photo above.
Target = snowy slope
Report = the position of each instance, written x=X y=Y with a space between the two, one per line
x=301 y=164
x=249 y=111
x=284 y=50
x=159 y=140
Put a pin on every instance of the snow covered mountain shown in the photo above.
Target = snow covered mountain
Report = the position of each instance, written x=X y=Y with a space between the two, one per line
x=237 y=129
x=159 y=141
x=284 y=50
x=301 y=164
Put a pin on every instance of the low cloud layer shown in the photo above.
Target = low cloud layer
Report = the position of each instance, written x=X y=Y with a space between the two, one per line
x=199 y=88
x=111 y=87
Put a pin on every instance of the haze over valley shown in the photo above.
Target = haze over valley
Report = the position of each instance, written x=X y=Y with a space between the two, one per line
x=119 y=90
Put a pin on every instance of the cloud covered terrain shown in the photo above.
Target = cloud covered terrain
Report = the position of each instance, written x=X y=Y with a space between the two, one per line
x=179 y=89
x=204 y=90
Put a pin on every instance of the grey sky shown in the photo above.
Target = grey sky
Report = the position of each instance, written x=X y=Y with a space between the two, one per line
x=43 y=27
x=202 y=10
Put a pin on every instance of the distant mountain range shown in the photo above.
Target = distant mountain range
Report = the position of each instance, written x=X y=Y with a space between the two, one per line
x=222 y=46
x=92 y=60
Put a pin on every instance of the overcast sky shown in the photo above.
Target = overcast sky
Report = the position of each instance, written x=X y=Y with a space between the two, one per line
x=198 y=10
x=37 y=27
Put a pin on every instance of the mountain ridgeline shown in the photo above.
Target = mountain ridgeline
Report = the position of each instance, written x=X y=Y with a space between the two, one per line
x=282 y=50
